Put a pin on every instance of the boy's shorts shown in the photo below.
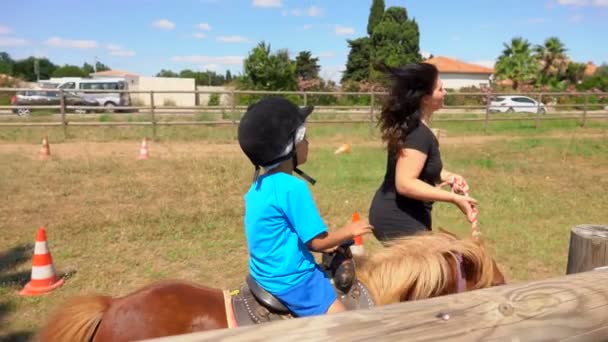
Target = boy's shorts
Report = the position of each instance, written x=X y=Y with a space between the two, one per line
x=312 y=297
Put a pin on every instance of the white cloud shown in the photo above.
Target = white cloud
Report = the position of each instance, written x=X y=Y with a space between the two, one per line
x=211 y=66
x=164 y=24
x=425 y=54
x=119 y=51
x=71 y=43
x=203 y=26
x=314 y=11
x=536 y=20
x=199 y=35
x=600 y=3
x=488 y=63
x=268 y=3
x=205 y=60
x=5 y=29
x=572 y=2
x=344 y=30
x=577 y=18
x=326 y=54
x=232 y=39
x=11 y=42
x=122 y=53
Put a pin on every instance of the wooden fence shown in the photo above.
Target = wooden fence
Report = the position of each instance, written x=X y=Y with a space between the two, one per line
x=573 y=308
x=150 y=114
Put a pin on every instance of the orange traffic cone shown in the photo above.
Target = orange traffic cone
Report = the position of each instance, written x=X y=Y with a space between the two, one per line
x=43 y=273
x=45 y=150
x=344 y=148
x=144 y=153
x=357 y=249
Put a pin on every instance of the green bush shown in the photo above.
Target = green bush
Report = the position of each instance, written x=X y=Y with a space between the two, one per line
x=214 y=99
x=168 y=102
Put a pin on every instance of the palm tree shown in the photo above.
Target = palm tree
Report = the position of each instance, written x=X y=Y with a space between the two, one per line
x=553 y=58
x=517 y=62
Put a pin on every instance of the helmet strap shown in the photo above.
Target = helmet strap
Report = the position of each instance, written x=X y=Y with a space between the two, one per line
x=301 y=173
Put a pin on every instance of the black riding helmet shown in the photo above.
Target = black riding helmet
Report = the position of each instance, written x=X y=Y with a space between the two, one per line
x=267 y=128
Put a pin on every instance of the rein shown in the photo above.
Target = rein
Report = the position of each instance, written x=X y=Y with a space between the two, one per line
x=460 y=186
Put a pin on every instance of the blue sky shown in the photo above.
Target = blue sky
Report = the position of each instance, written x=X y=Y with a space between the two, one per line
x=145 y=36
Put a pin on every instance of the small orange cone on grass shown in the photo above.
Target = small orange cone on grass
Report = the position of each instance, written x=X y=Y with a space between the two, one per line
x=43 y=278
x=344 y=148
x=144 y=152
x=45 y=150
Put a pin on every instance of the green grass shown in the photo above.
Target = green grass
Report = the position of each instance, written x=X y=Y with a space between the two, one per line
x=115 y=224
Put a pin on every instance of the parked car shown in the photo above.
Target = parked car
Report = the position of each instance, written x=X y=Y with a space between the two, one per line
x=31 y=98
x=106 y=97
x=516 y=103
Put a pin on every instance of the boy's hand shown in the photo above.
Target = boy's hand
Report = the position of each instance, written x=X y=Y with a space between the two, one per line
x=359 y=228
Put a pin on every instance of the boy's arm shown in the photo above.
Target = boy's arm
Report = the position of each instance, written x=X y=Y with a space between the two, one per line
x=327 y=240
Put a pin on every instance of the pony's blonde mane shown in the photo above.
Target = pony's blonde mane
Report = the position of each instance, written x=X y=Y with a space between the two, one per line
x=417 y=267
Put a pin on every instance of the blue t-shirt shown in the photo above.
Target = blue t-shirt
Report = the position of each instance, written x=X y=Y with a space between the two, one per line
x=280 y=218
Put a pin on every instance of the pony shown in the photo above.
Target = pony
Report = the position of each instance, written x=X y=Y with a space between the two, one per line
x=422 y=266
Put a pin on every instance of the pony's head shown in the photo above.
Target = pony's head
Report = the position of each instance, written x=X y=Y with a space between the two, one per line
x=427 y=265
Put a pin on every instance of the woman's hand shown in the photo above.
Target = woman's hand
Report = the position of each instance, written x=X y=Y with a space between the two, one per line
x=467 y=205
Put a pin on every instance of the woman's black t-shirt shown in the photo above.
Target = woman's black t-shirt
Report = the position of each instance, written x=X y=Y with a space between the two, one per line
x=394 y=215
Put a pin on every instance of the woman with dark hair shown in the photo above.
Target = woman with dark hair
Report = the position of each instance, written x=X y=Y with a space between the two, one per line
x=414 y=170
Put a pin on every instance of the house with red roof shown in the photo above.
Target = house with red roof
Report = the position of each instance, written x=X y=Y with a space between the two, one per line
x=458 y=74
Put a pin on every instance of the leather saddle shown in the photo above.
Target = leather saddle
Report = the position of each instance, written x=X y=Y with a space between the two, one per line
x=254 y=305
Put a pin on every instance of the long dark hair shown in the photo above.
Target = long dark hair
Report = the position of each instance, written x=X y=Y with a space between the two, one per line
x=401 y=111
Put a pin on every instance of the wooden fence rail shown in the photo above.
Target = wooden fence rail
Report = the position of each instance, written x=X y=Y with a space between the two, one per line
x=572 y=307
x=231 y=112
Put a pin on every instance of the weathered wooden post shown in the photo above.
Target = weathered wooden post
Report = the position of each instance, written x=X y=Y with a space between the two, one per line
x=588 y=248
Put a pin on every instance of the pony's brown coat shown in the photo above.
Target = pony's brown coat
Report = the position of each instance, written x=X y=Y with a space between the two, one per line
x=410 y=269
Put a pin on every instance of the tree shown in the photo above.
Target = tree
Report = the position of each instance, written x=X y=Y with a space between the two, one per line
x=269 y=71
x=228 y=76
x=552 y=59
x=395 y=41
x=517 y=62
x=375 y=15
x=69 y=71
x=307 y=67
x=6 y=64
x=575 y=72
x=358 y=62
x=87 y=69
x=101 y=67
x=25 y=70
x=166 y=73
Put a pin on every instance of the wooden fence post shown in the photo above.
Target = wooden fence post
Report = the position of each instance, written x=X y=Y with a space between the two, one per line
x=585 y=111
x=371 y=113
x=487 y=116
x=588 y=248
x=233 y=109
x=537 y=119
x=62 y=110
x=152 y=106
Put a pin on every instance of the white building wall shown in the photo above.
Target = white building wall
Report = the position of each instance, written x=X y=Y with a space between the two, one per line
x=145 y=83
x=458 y=80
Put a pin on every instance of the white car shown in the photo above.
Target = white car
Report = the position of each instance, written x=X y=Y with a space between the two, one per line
x=516 y=103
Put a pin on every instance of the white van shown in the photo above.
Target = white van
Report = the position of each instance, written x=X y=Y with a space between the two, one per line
x=106 y=99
